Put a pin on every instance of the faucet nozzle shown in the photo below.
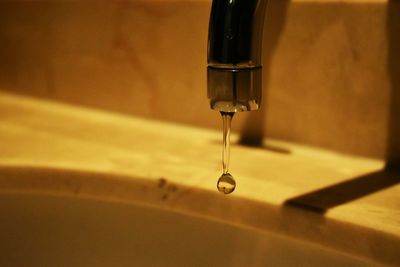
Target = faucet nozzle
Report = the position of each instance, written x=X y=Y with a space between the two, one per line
x=234 y=54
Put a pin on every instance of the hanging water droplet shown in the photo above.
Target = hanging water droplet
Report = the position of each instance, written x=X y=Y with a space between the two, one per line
x=226 y=184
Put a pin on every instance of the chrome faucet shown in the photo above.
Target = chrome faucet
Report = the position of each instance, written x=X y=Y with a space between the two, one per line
x=234 y=54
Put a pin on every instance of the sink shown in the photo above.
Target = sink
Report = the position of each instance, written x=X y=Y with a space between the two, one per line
x=107 y=190
x=50 y=229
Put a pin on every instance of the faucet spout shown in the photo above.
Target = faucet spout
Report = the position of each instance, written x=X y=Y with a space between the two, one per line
x=234 y=54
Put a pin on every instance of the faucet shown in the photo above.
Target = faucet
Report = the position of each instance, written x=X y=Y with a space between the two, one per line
x=234 y=68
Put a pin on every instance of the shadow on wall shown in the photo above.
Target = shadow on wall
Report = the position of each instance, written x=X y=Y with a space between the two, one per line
x=393 y=32
x=254 y=126
x=253 y=130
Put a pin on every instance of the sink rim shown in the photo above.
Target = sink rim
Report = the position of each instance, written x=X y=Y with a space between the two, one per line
x=163 y=194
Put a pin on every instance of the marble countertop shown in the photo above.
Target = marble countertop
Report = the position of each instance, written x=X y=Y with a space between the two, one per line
x=343 y=202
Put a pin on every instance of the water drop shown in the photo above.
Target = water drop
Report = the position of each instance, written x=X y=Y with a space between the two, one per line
x=226 y=184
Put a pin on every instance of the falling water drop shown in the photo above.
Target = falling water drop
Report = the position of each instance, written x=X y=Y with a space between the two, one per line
x=226 y=183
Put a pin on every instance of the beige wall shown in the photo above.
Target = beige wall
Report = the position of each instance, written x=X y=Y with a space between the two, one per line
x=327 y=80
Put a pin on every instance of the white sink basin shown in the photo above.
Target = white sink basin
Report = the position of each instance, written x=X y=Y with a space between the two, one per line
x=48 y=230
